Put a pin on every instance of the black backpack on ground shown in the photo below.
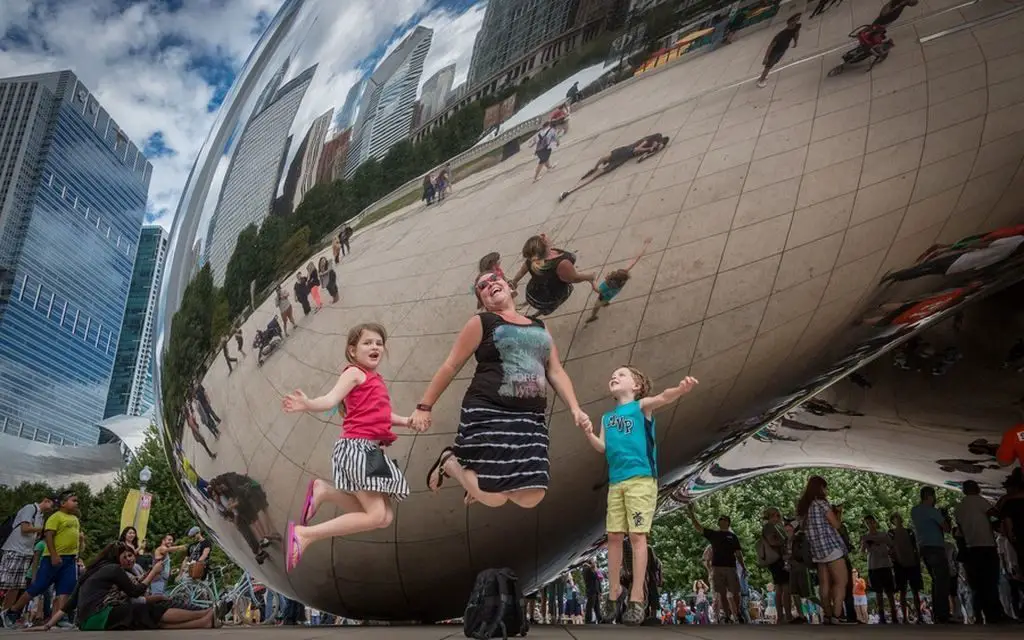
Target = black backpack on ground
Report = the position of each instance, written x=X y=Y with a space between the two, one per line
x=7 y=526
x=496 y=607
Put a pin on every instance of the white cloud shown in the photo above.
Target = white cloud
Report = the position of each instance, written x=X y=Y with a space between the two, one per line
x=140 y=62
x=453 y=41
x=145 y=87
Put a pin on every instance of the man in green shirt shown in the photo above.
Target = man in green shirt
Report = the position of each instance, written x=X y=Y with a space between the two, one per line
x=59 y=565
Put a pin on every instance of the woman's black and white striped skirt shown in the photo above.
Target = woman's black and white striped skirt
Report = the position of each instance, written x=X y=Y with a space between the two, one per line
x=508 y=450
x=350 y=469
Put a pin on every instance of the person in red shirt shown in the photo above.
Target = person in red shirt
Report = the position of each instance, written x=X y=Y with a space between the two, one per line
x=1011 y=449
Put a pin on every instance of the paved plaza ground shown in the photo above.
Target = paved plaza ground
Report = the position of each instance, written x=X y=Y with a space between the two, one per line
x=585 y=632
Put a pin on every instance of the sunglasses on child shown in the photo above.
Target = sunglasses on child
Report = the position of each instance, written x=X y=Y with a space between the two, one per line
x=486 y=282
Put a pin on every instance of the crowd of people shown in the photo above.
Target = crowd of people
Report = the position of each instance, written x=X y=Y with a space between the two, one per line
x=970 y=551
x=46 y=584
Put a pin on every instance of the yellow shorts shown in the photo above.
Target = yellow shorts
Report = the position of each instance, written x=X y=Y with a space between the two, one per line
x=631 y=505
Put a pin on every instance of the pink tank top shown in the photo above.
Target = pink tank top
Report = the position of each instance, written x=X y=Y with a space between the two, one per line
x=368 y=411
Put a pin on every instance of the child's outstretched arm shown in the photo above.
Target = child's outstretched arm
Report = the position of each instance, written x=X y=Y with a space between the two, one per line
x=595 y=441
x=643 y=250
x=347 y=381
x=668 y=396
x=399 y=421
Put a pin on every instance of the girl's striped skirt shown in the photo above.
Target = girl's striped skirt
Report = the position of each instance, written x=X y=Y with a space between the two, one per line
x=350 y=469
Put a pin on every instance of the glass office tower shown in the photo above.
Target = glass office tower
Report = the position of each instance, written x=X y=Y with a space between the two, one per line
x=72 y=199
x=131 y=385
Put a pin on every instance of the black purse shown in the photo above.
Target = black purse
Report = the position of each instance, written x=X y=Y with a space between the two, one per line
x=376 y=464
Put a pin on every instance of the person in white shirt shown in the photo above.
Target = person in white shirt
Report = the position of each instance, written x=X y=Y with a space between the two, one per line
x=18 y=548
x=544 y=141
x=982 y=562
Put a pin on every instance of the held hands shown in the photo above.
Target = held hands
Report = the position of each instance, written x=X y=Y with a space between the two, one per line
x=295 y=401
x=419 y=420
x=582 y=421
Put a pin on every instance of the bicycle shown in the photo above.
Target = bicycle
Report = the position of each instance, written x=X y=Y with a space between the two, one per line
x=235 y=602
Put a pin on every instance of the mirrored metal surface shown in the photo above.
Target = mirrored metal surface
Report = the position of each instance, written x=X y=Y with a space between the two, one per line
x=786 y=236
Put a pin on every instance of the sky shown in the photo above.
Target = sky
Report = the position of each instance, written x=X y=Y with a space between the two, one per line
x=161 y=68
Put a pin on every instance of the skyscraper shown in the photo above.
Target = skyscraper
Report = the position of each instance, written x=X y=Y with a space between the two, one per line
x=511 y=28
x=310 y=160
x=435 y=90
x=252 y=176
x=72 y=199
x=332 y=158
x=131 y=385
x=386 y=109
x=350 y=110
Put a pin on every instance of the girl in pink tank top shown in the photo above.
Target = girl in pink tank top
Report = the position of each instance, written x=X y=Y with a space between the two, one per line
x=365 y=479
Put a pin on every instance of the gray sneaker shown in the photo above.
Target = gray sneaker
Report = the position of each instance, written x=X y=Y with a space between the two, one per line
x=634 y=613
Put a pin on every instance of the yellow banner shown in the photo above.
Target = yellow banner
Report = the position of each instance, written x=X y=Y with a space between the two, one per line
x=135 y=512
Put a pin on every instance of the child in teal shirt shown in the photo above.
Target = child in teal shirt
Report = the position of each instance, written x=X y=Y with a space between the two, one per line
x=627 y=439
x=613 y=283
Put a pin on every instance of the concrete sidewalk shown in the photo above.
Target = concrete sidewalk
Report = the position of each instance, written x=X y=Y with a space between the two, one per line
x=585 y=632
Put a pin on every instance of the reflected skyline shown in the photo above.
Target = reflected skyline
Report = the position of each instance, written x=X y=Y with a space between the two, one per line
x=746 y=236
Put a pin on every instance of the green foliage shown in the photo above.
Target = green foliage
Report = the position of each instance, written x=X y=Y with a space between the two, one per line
x=680 y=546
x=190 y=343
x=101 y=512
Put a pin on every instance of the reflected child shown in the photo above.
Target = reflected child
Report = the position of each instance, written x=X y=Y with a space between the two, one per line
x=613 y=284
x=365 y=479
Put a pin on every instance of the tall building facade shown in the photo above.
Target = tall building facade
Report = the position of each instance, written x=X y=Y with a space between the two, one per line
x=332 y=158
x=250 y=183
x=350 y=110
x=73 y=194
x=435 y=91
x=512 y=28
x=131 y=385
x=387 y=107
x=310 y=160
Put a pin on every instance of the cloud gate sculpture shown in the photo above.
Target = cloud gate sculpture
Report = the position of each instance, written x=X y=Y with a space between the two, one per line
x=836 y=259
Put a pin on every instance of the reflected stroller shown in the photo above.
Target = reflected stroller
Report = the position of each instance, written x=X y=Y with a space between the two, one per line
x=872 y=42
x=267 y=341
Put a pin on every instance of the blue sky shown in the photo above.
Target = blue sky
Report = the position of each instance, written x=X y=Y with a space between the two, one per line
x=163 y=67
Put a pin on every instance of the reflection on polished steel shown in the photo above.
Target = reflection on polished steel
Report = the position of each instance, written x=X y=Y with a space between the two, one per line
x=775 y=216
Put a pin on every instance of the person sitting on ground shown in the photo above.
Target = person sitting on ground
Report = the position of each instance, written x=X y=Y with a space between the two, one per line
x=560 y=119
x=641 y=150
x=106 y=599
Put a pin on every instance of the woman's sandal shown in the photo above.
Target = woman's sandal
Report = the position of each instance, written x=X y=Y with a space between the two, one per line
x=438 y=468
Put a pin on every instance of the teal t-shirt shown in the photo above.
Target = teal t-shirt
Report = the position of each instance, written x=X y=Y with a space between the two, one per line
x=607 y=292
x=629 y=444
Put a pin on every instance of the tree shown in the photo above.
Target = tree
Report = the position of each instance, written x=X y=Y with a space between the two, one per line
x=190 y=343
x=680 y=546
x=243 y=268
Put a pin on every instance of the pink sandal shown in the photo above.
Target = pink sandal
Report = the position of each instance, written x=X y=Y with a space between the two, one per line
x=292 y=551
x=307 y=515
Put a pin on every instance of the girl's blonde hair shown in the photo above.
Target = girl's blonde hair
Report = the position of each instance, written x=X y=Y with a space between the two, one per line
x=356 y=332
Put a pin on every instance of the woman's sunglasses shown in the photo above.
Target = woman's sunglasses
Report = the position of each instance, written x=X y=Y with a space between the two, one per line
x=486 y=282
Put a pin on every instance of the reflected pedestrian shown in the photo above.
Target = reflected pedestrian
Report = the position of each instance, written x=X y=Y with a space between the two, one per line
x=779 y=45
